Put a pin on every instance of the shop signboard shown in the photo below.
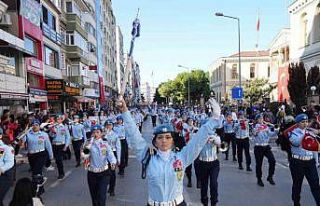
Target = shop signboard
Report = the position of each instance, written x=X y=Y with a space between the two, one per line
x=55 y=86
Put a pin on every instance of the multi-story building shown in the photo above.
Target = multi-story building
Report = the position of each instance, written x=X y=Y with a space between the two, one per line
x=120 y=58
x=21 y=69
x=109 y=34
x=148 y=92
x=305 y=32
x=223 y=73
x=279 y=63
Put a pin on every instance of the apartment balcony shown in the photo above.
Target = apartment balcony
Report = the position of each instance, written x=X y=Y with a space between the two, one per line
x=74 y=52
x=74 y=24
x=12 y=84
x=51 y=34
x=82 y=80
x=93 y=77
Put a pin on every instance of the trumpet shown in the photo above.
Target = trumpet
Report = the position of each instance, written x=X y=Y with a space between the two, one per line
x=223 y=146
x=20 y=136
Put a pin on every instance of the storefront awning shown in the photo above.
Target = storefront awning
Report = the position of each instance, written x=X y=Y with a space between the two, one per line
x=13 y=96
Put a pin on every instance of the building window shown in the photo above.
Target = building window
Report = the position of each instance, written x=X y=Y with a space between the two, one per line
x=69 y=7
x=33 y=80
x=234 y=70
x=269 y=72
x=252 y=70
x=316 y=29
x=48 y=18
x=51 y=57
x=90 y=29
x=30 y=45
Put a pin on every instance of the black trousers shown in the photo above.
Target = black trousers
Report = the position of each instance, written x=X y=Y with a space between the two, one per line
x=209 y=173
x=6 y=181
x=243 y=145
x=113 y=176
x=181 y=204
x=197 y=169
x=154 y=120
x=124 y=156
x=259 y=153
x=98 y=184
x=300 y=169
x=37 y=162
x=58 y=156
x=76 y=148
x=189 y=172
x=48 y=161
x=231 y=137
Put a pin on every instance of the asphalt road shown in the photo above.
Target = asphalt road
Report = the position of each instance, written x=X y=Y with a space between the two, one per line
x=235 y=187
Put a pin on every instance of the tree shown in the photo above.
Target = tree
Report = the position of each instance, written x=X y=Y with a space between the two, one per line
x=257 y=89
x=157 y=97
x=177 y=89
x=297 y=85
x=313 y=79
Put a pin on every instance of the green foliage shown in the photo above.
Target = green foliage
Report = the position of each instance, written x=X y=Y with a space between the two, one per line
x=177 y=89
x=255 y=90
x=297 y=85
x=158 y=98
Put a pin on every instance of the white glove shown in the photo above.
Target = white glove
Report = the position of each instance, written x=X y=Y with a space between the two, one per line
x=216 y=110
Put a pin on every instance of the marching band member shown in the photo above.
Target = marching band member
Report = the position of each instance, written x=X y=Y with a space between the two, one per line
x=78 y=136
x=302 y=163
x=114 y=142
x=60 y=143
x=262 y=149
x=165 y=169
x=87 y=125
x=242 y=140
x=119 y=129
x=230 y=135
x=100 y=154
x=210 y=167
x=187 y=132
x=39 y=147
x=6 y=165
x=154 y=115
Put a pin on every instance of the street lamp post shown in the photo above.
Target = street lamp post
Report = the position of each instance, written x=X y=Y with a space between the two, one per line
x=239 y=44
x=188 y=82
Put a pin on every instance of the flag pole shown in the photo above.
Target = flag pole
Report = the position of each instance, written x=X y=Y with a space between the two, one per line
x=134 y=33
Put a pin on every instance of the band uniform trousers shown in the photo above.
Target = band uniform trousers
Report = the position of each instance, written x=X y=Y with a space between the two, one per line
x=189 y=172
x=231 y=137
x=243 y=145
x=300 y=169
x=98 y=184
x=76 y=148
x=124 y=155
x=58 y=156
x=259 y=153
x=197 y=170
x=112 y=176
x=209 y=173
x=37 y=162
x=154 y=120
x=6 y=181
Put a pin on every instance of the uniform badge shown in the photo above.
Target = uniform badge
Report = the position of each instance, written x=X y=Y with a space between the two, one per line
x=103 y=149
x=178 y=168
x=1 y=152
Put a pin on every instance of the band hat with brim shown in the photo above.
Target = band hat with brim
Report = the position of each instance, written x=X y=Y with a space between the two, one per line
x=301 y=117
x=163 y=128
x=96 y=127
x=35 y=122
x=259 y=116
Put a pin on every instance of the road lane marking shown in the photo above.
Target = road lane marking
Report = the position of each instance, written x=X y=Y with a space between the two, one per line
x=57 y=182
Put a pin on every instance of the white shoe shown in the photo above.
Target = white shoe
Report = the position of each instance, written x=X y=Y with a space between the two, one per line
x=50 y=168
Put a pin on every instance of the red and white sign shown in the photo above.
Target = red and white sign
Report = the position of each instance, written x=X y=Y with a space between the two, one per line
x=34 y=66
x=283 y=78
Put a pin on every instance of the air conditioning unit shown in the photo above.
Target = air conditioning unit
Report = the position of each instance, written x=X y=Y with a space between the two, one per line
x=6 y=20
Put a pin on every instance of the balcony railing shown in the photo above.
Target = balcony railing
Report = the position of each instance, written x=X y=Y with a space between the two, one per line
x=51 y=34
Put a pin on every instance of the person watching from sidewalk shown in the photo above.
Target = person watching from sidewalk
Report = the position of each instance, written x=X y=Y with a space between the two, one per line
x=167 y=165
x=6 y=165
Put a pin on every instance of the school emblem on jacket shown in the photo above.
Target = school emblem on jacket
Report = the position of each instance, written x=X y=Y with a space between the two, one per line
x=178 y=168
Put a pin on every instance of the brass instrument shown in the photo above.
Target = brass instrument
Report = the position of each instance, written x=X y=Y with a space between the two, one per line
x=21 y=135
x=223 y=146
x=85 y=153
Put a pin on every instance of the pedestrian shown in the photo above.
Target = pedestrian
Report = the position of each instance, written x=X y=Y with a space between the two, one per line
x=242 y=141
x=303 y=163
x=60 y=143
x=165 y=168
x=262 y=135
x=119 y=129
x=78 y=134
x=98 y=154
x=24 y=194
x=37 y=144
x=114 y=141
x=210 y=167
x=6 y=165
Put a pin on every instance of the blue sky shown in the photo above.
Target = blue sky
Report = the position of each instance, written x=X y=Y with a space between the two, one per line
x=186 y=32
